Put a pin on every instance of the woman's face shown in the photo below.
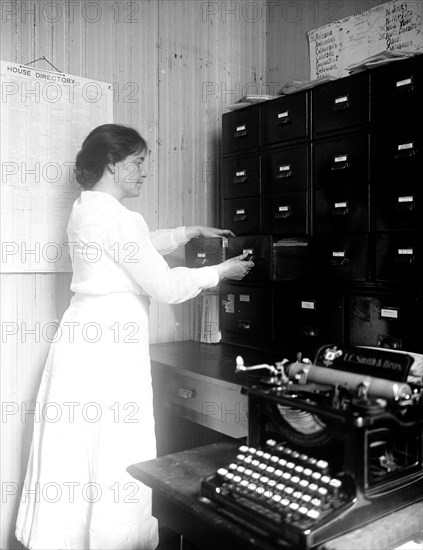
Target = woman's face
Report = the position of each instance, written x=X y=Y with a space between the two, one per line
x=130 y=174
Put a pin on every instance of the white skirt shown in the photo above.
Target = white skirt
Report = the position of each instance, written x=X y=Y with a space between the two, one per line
x=95 y=418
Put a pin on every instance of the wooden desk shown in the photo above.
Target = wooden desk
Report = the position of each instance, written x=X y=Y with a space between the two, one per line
x=176 y=479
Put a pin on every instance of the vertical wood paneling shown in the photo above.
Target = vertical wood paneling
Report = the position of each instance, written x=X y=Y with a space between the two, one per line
x=174 y=68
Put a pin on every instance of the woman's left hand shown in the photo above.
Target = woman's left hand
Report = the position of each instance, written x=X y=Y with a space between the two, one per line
x=204 y=231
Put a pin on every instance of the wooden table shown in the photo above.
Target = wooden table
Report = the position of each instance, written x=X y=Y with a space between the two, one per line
x=176 y=479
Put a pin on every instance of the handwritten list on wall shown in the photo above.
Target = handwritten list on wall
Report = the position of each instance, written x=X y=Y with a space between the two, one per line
x=45 y=116
x=393 y=26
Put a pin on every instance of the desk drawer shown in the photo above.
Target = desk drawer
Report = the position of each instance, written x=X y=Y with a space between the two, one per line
x=212 y=403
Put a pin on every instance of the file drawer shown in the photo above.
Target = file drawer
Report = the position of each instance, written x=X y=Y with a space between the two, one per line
x=241 y=130
x=398 y=208
x=285 y=213
x=247 y=313
x=309 y=318
x=261 y=249
x=341 y=104
x=241 y=177
x=399 y=257
x=342 y=161
x=397 y=91
x=204 y=251
x=242 y=216
x=277 y=260
x=340 y=257
x=398 y=156
x=384 y=321
x=286 y=170
x=285 y=118
x=341 y=211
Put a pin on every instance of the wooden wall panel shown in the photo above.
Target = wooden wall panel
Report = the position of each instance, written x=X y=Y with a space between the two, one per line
x=175 y=67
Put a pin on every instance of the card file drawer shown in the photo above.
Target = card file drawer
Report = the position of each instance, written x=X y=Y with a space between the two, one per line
x=398 y=208
x=286 y=170
x=385 y=321
x=241 y=177
x=341 y=211
x=398 y=156
x=308 y=318
x=202 y=252
x=340 y=257
x=241 y=130
x=247 y=313
x=341 y=161
x=274 y=259
x=285 y=118
x=397 y=91
x=341 y=104
x=242 y=215
x=399 y=257
x=285 y=213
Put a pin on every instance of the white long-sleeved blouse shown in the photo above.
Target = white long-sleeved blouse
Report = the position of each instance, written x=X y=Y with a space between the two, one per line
x=112 y=250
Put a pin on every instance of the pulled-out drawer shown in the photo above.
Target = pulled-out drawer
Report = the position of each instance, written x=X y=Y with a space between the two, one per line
x=212 y=403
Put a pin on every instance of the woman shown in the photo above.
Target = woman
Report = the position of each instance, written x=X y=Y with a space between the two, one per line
x=95 y=395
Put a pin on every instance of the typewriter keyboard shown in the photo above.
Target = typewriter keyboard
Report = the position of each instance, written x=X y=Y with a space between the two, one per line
x=279 y=491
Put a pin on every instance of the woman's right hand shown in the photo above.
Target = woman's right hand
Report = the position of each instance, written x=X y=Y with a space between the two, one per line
x=235 y=268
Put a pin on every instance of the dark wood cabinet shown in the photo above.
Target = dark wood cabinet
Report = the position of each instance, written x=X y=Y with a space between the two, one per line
x=333 y=175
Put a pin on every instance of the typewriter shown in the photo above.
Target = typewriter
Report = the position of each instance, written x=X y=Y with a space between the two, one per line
x=332 y=445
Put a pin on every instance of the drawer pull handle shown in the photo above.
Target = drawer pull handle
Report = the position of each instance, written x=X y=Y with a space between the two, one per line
x=186 y=393
x=405 y=255
x=310 y=332
x=403 y=86
x=284 y=171
x=340 y=162
x=405 y=150
x=339 y=258
x=244 y=324
x=241 y=131
x=283 y=212
x=341 y=103
x=283 y=118
x=240 y=179
x=340 y=208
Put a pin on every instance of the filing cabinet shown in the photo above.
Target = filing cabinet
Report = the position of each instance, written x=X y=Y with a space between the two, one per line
x=342 y=103
x=331 y=187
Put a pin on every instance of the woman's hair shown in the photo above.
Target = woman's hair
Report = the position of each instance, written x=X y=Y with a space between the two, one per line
x=106 y=144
